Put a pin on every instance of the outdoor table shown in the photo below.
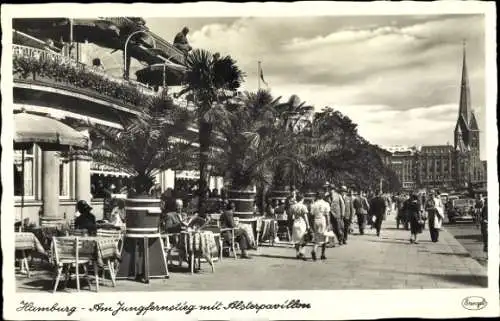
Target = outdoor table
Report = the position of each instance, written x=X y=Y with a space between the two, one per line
x=25 y=243
x=142 y=255
x=197 y=244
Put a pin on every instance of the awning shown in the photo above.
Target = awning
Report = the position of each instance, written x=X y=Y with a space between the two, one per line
x=49 y=133
x=109 y=173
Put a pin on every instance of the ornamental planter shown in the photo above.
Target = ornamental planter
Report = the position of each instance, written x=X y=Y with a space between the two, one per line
x=279 y=193
x=244 y=199
x=142 y=255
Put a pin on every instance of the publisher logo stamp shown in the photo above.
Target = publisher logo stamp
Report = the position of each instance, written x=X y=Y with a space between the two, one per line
x=474 y=303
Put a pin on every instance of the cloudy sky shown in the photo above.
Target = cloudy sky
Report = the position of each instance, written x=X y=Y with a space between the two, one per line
x=397 y=77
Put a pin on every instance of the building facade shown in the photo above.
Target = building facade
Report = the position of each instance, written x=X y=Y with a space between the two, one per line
x=71 y=70
x=445 y=167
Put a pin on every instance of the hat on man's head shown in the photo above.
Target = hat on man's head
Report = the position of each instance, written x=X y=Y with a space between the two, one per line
x=344 y=189
x=327 y=184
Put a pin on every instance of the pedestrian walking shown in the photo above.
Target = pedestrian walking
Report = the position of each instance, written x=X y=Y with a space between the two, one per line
x=320 y=214
x=299 y=214
x=413 y=209
x=361 y=208
x=478 y=208
x=378 y=209
x=435 y=215
x=349 y=212
x=337 y=210
x=484 y=226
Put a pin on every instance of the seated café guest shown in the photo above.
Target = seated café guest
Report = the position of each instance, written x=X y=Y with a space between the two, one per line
x=180 y=40
x=176 y=221
x=241 y=236
x=117 y=217
x=215 y=193
x=86 y=220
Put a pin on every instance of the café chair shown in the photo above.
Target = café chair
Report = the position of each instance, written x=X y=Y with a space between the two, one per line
x=68 y=254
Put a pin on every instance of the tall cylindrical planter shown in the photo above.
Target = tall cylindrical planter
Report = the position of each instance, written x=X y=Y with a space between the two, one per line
x=142 y=254
x=244 y=199
x=142 y=215
x=279 y=193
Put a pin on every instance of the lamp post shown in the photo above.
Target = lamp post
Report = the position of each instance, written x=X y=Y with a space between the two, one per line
x=125 y=76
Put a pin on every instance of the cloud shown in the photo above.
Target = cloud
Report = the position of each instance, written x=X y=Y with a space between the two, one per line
x=399 y=62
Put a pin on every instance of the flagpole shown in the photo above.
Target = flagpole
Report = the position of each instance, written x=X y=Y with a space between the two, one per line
x=258 y=75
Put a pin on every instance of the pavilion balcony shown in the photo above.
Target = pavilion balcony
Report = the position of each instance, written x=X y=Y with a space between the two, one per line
x=47 y=68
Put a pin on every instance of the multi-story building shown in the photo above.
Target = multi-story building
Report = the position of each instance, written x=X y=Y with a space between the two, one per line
x=403 y=164
x=76 y=70
x=446 y=166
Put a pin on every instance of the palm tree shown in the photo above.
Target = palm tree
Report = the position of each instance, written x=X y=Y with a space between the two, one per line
x=294 y=117
x=147 y=143
x=210 y=81
x=253 y=142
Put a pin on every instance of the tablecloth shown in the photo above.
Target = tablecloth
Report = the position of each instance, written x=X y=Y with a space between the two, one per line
x=98 y=248
x=199 y=243
x=267 y=228
x=27 y=241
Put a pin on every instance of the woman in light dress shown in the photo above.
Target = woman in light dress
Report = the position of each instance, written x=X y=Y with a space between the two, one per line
x=320 y=213
x=299 y=212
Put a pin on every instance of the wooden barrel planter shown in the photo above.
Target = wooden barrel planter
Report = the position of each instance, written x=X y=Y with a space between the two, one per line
x=244 y=199
x=279 y=194
x=142 y=254
x=142 y=215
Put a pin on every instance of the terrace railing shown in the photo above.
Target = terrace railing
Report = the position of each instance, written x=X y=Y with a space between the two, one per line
x=43 y=65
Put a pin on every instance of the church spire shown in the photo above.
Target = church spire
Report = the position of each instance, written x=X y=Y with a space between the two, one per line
x=465 y=103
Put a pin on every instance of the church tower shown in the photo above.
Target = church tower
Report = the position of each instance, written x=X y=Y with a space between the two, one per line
x=467 y=130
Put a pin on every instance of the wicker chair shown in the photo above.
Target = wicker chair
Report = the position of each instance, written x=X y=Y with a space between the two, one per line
x=67 y=253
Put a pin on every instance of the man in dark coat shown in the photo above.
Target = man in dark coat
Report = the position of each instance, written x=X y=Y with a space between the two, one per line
x=86 y=220
x=378 y=209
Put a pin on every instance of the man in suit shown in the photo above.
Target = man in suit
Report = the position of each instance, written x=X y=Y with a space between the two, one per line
x=337 y=210
x=240 y=235
x=349 y=212
x=176 y=221
x=378 y=207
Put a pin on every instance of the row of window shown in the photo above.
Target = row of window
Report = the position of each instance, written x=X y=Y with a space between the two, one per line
x=30 y=169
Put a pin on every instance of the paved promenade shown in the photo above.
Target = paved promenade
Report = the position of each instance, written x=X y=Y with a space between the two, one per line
x=366 y=262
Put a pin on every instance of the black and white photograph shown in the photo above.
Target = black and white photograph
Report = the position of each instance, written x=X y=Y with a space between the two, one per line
x=167 y=155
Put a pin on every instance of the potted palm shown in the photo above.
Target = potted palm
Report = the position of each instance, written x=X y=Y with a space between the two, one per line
x=294 y=118
x=146 y=145
x=252 y=143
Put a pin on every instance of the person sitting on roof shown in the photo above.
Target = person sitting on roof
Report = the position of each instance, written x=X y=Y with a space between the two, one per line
x=180 y=41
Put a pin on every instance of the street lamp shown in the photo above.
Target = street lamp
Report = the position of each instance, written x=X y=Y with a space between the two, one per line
x=125 y=51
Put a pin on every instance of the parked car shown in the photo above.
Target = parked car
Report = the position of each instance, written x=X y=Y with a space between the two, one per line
x=460 y=209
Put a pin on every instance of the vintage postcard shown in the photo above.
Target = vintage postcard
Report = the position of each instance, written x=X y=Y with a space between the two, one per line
x=260 y=161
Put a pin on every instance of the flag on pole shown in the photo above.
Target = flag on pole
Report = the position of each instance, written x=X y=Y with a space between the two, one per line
x=261 y=74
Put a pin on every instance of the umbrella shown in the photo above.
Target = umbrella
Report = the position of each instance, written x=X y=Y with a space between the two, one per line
x=167 y=73
x=48 y=133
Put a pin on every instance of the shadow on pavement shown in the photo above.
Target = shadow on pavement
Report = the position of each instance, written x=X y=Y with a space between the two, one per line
x=454 y=254
x=475 y=237
x=279 y=257
x=472 y=280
